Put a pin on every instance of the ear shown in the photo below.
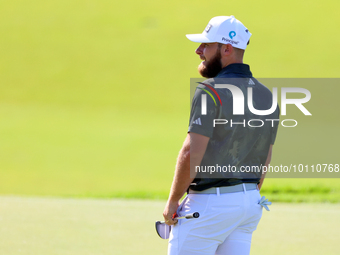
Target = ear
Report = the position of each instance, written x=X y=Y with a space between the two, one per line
x=226 y=50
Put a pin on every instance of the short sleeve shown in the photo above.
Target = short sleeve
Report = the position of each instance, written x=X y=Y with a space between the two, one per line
x=200 y=122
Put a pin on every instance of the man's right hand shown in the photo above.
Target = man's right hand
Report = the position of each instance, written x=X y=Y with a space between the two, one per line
x=170 y=211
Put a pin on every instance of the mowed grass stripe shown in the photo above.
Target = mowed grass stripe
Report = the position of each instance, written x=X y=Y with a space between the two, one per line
x=49 y=226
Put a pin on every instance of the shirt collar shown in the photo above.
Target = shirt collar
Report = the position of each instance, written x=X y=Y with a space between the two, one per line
x=234 y=71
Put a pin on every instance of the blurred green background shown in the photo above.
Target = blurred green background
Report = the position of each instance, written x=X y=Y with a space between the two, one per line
x=94 y=95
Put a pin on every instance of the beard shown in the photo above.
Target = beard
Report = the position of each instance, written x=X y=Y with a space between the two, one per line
x=212 y=67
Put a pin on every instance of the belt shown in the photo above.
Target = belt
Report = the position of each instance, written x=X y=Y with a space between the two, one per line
x=226 y=189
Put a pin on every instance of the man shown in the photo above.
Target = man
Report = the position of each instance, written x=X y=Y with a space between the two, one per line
x=221 y=136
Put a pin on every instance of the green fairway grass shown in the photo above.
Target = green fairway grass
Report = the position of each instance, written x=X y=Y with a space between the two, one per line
x=49 y=226
x=94 y=95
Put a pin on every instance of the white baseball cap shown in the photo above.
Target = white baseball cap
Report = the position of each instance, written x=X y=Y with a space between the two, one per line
x=223 y=29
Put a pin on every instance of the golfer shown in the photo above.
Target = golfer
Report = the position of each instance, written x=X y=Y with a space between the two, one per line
x=229 y=140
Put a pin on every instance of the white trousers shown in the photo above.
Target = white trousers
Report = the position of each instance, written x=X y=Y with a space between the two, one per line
x=225 y=225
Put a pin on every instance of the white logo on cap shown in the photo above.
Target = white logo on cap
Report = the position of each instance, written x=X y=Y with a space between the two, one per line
x=207 y=29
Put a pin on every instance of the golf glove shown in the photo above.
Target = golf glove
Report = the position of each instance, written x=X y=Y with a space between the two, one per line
x=264 y=203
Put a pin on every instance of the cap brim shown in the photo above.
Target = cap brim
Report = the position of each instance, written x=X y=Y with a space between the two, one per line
x=200 y=38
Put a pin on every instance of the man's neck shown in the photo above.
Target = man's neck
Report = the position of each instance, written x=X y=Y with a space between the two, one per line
x=234 y=61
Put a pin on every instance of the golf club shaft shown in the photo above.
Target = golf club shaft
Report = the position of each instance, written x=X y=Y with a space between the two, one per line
x=188 y=216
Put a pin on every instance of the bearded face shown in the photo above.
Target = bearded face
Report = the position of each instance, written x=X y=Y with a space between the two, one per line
x=210 y=68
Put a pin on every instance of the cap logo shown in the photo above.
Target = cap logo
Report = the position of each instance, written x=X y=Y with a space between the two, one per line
x=207 y=29
x=230 y=41
x=232 y=34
